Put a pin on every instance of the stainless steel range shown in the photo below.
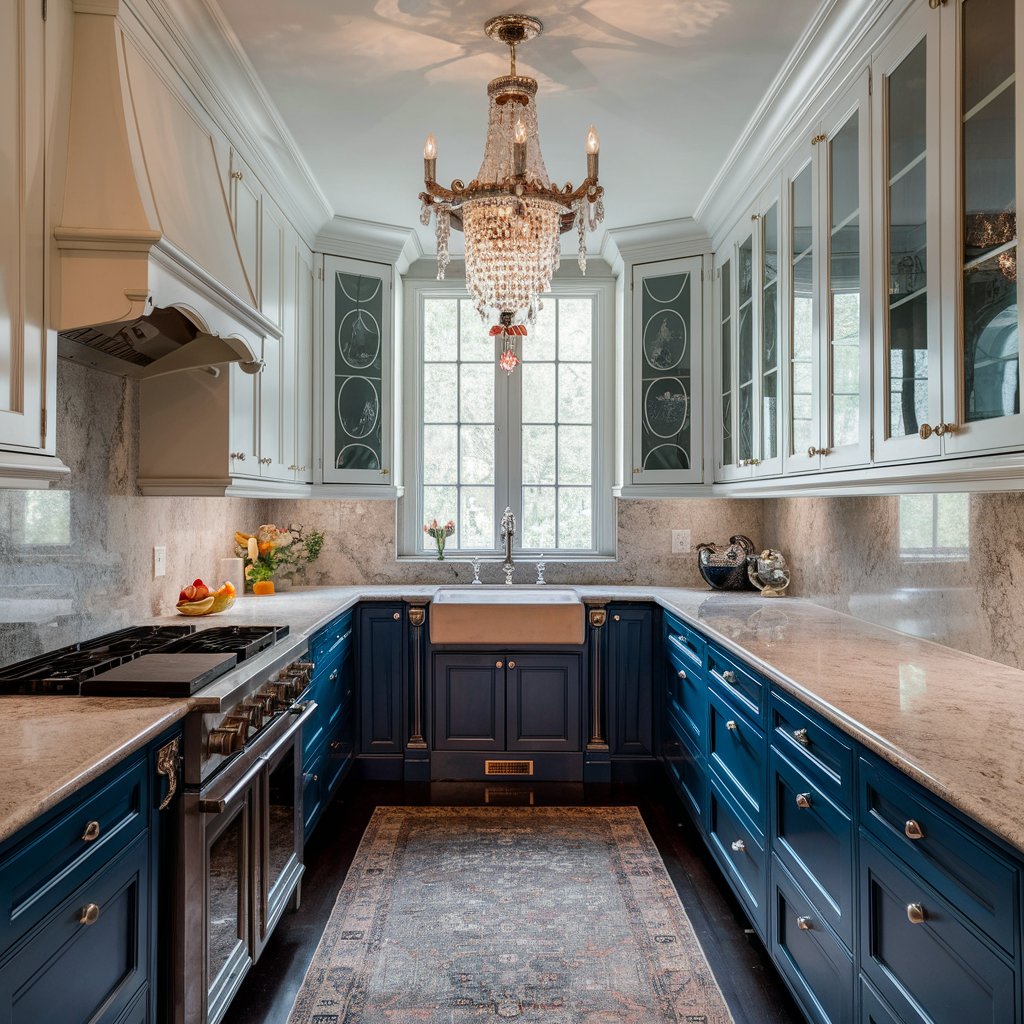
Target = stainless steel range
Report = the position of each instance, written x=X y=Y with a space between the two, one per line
x=241 y=810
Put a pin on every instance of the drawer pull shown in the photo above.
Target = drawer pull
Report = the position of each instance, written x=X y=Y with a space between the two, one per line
x=333 y=677
x=804 y=924
x=916 y=913
x=912 y=830
x=738 y=846
x=682 y=673
x=396 y=616
x=92 y=831
x=800 y=735
x=803 y=800
x=731 y=725
x=335 y=744
x=729 y=676
x=90 y=914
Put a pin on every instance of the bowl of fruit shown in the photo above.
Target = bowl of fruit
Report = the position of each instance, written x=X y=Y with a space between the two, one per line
x=198 y=599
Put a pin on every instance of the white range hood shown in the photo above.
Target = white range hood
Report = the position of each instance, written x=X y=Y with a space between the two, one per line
x=150 y=278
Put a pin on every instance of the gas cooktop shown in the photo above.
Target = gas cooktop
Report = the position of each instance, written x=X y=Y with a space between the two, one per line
x=66 y=670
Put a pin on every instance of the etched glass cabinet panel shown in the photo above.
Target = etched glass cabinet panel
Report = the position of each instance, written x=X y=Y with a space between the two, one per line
x=357 y=364
x=667 y=372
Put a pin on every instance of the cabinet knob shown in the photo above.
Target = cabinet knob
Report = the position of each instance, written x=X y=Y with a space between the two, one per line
x=912 y=830
x=511 y=664
x=90 y=914
x=738 y=846
x=681 y=673
x=804 y=923
x=729 y=676
x=800 y=735
x=92 y=831
x=941 y=429
x=266 y=461
x=916 y=913
x=396 y=616
x=812 y=451
x=803 y=800
x=384 y=472
x=293 y=468
x=333 y=676
x=616 y=618
x=335 y=744
x=925 y=431
x=498 y=664
x=238 y=455
x=236 y=175
x=731 y=725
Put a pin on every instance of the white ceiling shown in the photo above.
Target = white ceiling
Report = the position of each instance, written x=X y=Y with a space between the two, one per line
x=668 y=83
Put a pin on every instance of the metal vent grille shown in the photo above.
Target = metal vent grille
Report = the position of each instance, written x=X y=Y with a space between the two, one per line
x=517 y=795
x=508 y=767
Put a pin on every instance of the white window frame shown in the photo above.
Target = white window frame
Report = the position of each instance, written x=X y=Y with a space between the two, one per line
x=410 y=512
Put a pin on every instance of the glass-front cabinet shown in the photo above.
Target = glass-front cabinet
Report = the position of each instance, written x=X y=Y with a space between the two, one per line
x=982 y=153
x=357 y=353
x=748 y=370
x=667 y=388
x=828 y=314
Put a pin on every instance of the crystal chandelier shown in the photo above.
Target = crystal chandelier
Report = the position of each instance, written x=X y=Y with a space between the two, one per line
x=511 y=213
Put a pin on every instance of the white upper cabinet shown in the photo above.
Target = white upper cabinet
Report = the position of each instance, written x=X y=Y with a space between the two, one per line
x=983 y=185
x=667 y=383
x=827 y=312
x=908 y=367
x=27 y=362
x=357 y=370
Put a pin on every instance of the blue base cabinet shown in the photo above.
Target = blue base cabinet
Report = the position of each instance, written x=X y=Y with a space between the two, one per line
x=81 y=920
x=878 y=903
x=383 y=661
x=630 y=680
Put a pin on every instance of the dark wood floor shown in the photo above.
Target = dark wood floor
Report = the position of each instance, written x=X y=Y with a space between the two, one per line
x=752 y=988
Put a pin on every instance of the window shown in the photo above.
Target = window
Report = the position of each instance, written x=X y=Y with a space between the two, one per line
x=538 y=441
x=935 y=526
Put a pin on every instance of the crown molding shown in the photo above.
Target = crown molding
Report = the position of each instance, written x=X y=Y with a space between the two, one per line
x=658 y=240
x=370 y=240
x=840 y=30
x=204 y=50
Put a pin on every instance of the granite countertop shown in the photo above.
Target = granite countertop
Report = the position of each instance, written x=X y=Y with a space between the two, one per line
x=952 y=721
x=52 y=746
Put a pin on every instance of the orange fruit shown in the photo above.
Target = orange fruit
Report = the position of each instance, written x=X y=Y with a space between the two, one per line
x=262 y=587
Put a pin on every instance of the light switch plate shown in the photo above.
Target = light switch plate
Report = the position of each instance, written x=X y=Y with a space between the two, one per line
x=159 y=561
x=680 y=542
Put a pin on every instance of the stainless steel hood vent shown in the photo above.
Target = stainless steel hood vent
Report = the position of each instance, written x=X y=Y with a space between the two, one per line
x=150 y=279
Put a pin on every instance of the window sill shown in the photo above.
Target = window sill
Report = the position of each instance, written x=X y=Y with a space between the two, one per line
x=518 y=559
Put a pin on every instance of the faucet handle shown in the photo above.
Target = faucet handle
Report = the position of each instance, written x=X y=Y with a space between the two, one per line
x=541 y=566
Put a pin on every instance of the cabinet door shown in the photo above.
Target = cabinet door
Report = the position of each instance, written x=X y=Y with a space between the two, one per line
x=725 y=384
x=768 y=389
x=24 y=373
x=357 y=367
x=630 y=655
x=667 y=417
x=908 y=368
x=245 y=212
x=382 y=655
x=243 y=425
x=981 y=348
x=543 y=702
x=469 y=702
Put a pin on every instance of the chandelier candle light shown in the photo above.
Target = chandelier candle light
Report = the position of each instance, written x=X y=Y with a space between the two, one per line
x=511 y=213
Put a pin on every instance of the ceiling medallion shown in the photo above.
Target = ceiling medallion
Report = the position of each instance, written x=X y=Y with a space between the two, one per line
x=511 y=213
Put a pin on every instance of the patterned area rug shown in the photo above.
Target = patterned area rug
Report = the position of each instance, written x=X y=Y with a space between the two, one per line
x=452 y=915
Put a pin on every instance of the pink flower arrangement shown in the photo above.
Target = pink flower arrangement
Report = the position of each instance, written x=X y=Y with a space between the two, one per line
x=440 y=534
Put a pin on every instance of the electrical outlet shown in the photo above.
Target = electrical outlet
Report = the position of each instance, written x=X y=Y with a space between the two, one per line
x=680 y=542
x=159 y=561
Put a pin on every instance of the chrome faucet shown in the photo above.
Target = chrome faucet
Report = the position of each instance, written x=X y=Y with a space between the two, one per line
x=508 y=535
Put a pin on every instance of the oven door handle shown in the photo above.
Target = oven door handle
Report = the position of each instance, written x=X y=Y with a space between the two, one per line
x=219 y=804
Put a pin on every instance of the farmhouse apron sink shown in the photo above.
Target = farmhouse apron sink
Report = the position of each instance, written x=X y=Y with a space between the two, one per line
x=504 y=615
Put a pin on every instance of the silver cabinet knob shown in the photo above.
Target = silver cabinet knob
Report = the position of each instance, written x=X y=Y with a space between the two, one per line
x=396 y=616
x=804 y=923
x=266 y=461
x=90 y=914
x=912 y=830
x=803 y=800
x=240 y=456
x=293 y=468
x=738 y=846
x=800 y=735
x=681 y=673
x=731 y=725
x=916 y=913
x=729 y=676
x=92 y=832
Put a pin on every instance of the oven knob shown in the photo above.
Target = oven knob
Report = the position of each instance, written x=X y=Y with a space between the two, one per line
x=253 y=710
x=229 y=736
x=266 y=700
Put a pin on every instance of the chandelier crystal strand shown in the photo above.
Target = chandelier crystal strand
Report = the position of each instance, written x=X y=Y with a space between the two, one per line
x=512 y=214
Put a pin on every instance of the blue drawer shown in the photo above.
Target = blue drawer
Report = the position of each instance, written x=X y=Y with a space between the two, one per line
x=57 y=857
x=813 y=837
x=816 y=747
x=686 y=770
x=68 y=971
x=740 y=852
x=736 y=751
x=979 y=881
x=324 y=644
x=683 y=640
x=935 y=971
x=815 y=964
x=685 y=694
x=873 y=1008
x=745 y=688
